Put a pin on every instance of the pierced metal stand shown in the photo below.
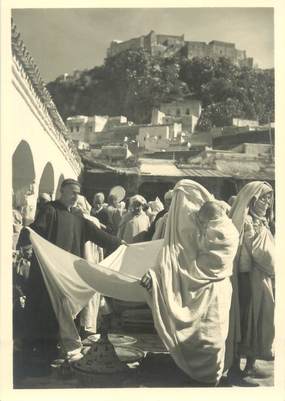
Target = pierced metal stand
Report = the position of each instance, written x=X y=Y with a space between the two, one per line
x=100 y=365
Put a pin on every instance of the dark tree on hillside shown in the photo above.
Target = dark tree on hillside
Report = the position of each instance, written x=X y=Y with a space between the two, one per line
x=228 y=91
x=131 y=83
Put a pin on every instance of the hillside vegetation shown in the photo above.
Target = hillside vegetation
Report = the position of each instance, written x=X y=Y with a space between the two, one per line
x=133 y=82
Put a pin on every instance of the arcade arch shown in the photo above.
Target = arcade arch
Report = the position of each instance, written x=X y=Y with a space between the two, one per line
x=57 y=193
x=47 y=183
x=23 y=171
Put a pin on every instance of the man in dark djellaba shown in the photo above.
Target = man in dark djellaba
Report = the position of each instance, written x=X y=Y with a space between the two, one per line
x=59 y=223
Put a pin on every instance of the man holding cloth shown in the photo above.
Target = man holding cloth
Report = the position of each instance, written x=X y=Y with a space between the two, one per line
x=59 y=224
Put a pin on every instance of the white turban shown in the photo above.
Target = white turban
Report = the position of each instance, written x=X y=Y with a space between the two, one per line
x=137 y=198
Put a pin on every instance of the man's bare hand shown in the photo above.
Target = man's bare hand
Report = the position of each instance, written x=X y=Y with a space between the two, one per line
x=146 y=281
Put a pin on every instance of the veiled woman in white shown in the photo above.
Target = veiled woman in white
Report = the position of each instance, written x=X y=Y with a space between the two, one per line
x=191 y=296
x=252 y=326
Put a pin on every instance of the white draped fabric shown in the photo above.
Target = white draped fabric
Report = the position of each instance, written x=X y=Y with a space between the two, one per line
x=190 y=304
x=256 y=253
x=72 y=281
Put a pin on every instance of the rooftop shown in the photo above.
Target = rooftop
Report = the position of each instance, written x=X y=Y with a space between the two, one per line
x=170 y=168
x=195 y=42
x=158 y=167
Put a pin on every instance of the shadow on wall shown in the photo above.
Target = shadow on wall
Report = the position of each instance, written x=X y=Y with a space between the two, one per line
x=47 y=180
x=23 y=168
x=23 y=173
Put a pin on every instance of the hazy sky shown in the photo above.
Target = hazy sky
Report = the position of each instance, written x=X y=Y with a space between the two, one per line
x=62 y=40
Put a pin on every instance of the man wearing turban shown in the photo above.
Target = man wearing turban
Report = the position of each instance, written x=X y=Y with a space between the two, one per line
x=135 y=223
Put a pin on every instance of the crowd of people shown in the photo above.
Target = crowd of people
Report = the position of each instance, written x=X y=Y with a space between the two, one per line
x=231 y=243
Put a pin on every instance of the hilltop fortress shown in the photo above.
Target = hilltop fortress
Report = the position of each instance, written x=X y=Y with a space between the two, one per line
x=169 y=45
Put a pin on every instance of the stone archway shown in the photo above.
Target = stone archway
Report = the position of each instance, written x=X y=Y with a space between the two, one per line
x=23 y=171
x=47 y=180
x=228 y=189
x=57 y=193
x=150 y=190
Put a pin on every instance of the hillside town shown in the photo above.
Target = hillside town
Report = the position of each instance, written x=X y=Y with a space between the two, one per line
x=131 y=234
x=159 y=154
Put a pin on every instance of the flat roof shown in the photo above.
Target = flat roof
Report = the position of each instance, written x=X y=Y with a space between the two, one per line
x=204 y=172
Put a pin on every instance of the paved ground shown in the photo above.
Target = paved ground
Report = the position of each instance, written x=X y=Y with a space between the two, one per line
x=155 y=369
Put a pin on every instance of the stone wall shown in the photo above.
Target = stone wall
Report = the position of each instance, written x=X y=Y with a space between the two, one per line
x=217 y=49
x=117 y=47
x=168 y=45
x=182 y=108
x=229 y=141
x=153 y=137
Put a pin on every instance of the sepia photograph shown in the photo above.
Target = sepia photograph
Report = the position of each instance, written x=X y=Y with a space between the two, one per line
x=143 y=197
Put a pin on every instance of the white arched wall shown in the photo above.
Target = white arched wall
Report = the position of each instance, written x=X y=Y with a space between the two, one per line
x=34 y=129
x=47 y=175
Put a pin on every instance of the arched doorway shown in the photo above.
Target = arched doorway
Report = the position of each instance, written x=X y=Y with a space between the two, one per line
x=23 y=171
x=150 y=190
x=57 y=193
x=228 y=188
x=47 y=180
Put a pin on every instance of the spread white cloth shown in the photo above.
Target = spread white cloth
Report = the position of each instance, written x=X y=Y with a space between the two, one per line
x=72 y=281
x=190 y=305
